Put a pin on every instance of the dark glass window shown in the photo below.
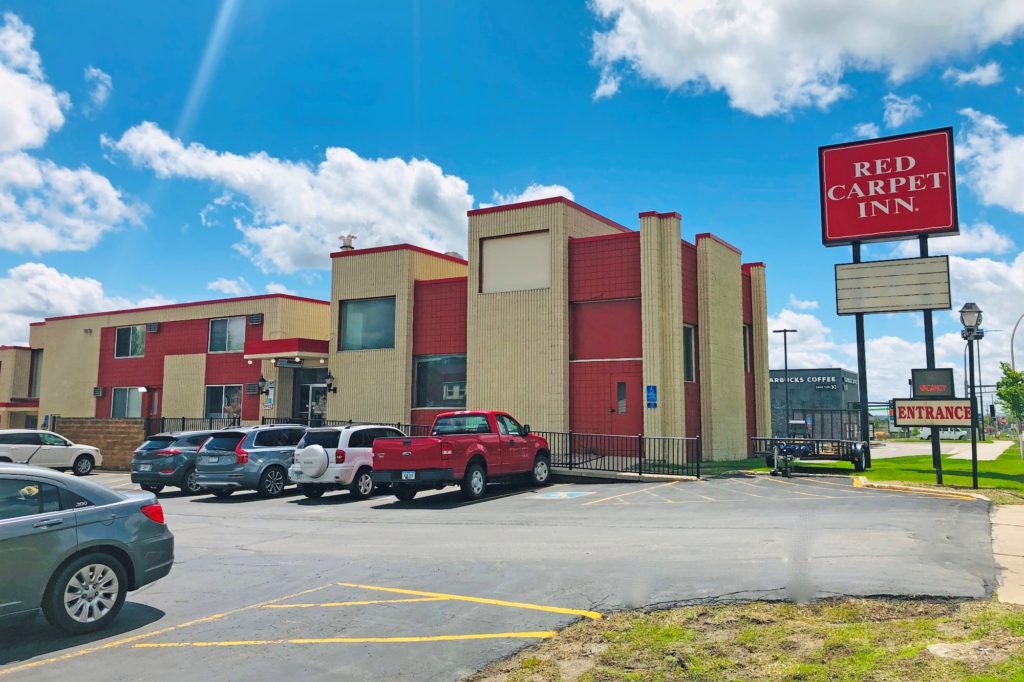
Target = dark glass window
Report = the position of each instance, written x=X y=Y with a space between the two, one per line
x=328 y=440
x=70 y=500
x=440 y=381
x=620 y=397
x=689 y=357
x=126 y=403
x=463 y=423
x=368 y=324
x=130 y=342
x=35 y=373
x=227 y=335
x=225 y=442
x=24 y=497
x=223 y=402
x=511 y=426
x=746 y=348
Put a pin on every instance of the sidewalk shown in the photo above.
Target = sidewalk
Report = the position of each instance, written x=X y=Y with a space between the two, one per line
x=1008 y=548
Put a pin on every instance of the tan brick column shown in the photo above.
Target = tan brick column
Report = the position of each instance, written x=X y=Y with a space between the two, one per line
x=720 y=339
x=661 y=284
x=759 y=350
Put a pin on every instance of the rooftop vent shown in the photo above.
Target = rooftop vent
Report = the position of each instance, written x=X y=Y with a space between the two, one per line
x=346 y=242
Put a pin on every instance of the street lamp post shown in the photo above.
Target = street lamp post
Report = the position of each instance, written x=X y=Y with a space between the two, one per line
x=970 y=317
x=785 y=363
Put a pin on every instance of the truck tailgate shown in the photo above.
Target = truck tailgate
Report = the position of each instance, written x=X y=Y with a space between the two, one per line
x=401 y=454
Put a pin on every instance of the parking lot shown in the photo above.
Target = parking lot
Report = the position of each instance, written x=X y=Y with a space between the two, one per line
x=437 y=588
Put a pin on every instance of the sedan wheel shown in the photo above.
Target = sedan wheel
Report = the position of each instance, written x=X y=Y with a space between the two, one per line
x=86 y=595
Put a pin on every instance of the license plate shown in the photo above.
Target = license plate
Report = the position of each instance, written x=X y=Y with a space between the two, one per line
x=408 y=475
x=145 y=467
x=212 y=460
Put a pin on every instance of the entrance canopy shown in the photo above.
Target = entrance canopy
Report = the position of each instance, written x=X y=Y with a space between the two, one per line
x=299 y=349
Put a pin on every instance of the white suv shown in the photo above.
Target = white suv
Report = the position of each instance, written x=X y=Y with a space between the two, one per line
x=47 y=449
x=336 y=457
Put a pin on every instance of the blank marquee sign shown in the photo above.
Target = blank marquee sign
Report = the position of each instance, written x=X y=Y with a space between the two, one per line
x=891 y=286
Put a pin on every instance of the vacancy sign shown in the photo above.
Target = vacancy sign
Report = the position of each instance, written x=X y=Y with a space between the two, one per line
x=911 y=412
x=891 y=286
x=890 y=188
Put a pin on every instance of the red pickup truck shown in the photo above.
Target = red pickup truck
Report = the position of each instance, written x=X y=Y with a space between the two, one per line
x=467 y=448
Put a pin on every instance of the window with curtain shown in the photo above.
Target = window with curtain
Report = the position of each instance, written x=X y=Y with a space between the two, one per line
x=368 y=324
x=227 y=335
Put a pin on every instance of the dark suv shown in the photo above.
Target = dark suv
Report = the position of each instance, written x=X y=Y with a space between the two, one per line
x=169 y=459
x=248 y=458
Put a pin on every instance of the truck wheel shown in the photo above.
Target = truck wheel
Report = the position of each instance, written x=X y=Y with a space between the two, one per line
x=541 y=473
x=474 y=482
x=362 y=485
x=404 y=492
x=313 y=492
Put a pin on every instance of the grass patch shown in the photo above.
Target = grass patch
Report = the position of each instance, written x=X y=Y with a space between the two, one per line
x=850 y=639
x=719 y=468
x=1001 y=479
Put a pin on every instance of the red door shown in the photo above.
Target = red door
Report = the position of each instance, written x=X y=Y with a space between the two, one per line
x=625 y=400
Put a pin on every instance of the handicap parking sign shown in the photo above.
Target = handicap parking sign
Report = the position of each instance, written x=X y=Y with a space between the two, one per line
x=560 y=495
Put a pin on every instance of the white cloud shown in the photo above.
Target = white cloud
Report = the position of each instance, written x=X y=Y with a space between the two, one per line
x=811 y=347
x=980 y=238
x=297 y=211
x=231 y=287
x=278 y=288
x=609 y=84
x=866 y=130
x=802 y=305
x=531 y=193
x=987 y=74
x=30 y=108
x=994 y=160
x=770 y=57
x=34 y=291
x=46 y=207
x=100 y=84
x=900 y=110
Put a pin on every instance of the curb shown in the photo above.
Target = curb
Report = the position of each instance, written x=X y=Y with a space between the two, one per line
x=862 y=482
x=617 y=476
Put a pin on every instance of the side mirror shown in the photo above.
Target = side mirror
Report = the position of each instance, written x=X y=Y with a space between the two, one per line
x=526 y=430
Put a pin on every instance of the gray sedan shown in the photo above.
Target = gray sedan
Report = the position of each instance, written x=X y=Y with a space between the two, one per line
x=74 y=548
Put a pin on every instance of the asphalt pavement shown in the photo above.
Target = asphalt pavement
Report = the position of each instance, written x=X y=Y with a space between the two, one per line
x=436 y=589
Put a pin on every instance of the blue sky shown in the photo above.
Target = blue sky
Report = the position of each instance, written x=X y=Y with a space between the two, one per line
x=710 y=114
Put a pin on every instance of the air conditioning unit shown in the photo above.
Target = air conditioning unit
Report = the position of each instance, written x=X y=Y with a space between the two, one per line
x=252 y=389
x=256 y=318
x=152 y=327
x=97 y=392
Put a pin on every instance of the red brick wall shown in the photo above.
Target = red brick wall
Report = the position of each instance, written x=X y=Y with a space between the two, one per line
x=604 y=267
x=605 y=329
x=426 y=416
x=181 y=337
x=439 y=317
x=691 y=390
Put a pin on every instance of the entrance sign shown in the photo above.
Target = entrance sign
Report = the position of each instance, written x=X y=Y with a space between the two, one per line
x=933 y=383
x=887 y=286
x=932 y=412
x=890 y=188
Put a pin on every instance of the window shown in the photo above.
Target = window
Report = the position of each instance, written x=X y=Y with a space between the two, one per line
x=620 y=397
x=156 y=443
x=440 y=381
x=192 y=441
x=515 y=263
x=52 y=439
x=226 y=442
x=368 y=324
x=328 y=440
x=24 y=438
x=227 y=335
x=70 y=500
x=689 y=355
x=509 y=425
x=35 y=373
x=223 y=402
x=127 y=404
x=130 y=342
x=278 y=438
x=25 y=497
x=468 y=423
x=746 y=348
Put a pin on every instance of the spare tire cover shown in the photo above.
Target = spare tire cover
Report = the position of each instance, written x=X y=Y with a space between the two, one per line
x=312 y=460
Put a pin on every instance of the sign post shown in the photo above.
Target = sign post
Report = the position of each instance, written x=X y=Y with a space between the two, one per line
x=890 y=188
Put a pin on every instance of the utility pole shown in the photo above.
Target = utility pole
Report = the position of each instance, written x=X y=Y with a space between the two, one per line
x=785 y=363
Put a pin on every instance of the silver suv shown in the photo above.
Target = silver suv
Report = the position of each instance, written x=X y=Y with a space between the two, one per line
x=248 y=458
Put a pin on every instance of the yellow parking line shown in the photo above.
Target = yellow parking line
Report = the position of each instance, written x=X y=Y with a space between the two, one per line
x=634 y=492
x=479 y=600
x=331 y=604
x=154 y=633
x=798 y=492
x=540 y=634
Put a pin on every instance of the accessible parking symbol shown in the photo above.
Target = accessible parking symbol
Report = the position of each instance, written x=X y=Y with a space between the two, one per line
x=560 y=495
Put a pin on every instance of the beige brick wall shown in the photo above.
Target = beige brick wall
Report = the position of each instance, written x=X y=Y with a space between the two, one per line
x=15 y=365
x=116 y=438
x=662 y=317
x=759 y=340
x=720 y=334
x=377 y=384
x=529 y=378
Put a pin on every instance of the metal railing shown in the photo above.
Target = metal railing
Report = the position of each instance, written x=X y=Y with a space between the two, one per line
x=171 y=424
x=625 y=454
x=317 y=422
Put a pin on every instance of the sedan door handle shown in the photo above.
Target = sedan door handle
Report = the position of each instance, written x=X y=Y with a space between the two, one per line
x=46 y=523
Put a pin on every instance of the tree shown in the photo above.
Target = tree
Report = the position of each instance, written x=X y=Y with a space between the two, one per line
x=1010 y=394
